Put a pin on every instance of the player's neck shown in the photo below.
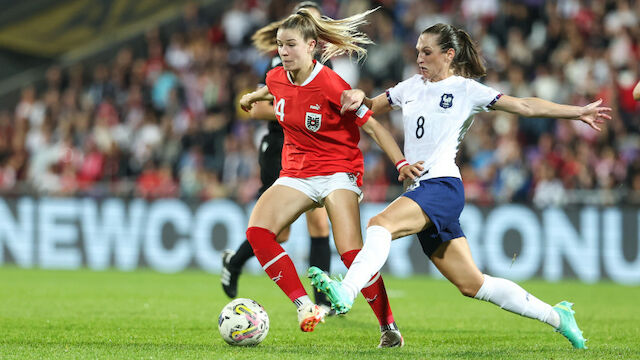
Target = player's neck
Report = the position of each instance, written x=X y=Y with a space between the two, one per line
x=299 y=76
x=442 y=76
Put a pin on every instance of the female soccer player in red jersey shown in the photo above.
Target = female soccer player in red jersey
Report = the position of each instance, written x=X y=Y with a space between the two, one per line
x=270 y=161
x=321 y=161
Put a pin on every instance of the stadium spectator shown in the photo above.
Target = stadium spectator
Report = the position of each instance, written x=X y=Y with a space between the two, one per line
x=438 y=107
x=581 y=50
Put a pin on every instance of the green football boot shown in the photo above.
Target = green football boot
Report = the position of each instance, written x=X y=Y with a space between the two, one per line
x=568 y=327
x=340 y=300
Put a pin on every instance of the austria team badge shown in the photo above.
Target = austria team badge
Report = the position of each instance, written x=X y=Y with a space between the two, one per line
x=312 y=121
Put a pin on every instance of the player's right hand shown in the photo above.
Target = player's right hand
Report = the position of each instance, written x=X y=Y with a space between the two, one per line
x=351 y=100
x=246 y=102
x=411 y=171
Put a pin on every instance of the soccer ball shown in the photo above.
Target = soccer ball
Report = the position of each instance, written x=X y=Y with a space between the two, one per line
x=243 y=322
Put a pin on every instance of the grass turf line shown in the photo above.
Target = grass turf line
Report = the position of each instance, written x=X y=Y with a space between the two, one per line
x=147 y=315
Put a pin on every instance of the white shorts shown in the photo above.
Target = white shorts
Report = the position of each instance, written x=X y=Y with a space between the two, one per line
x=319 y=187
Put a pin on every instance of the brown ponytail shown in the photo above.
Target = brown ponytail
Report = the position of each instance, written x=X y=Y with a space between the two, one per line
x=467 y=62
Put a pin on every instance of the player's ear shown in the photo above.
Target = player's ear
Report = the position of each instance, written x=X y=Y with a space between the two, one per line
x=312 y=45
x=451 y=53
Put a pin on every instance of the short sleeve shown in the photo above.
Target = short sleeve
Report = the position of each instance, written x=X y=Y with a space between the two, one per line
x=397 y=94
x=482 y=97
x=269 y=75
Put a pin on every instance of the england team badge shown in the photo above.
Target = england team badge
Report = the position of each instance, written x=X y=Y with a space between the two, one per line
x=312 y=121
x=446 y=101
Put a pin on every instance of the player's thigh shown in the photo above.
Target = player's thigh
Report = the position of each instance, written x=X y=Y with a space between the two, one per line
x=278 y=207
x=402 y=217
x=453 y=259
x=344 y=213
x=317 y=222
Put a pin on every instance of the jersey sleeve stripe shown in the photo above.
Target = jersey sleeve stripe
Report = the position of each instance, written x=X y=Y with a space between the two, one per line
x=389 y=97
x=494 y=100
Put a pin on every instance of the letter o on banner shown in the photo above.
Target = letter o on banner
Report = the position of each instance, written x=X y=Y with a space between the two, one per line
x=209 y=214
x=176 y=213
x=524 y=221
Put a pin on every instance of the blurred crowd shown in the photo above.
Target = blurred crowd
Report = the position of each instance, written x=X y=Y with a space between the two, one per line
x=163 y=120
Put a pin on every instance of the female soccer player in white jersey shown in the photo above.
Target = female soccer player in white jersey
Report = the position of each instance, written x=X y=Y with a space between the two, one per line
x=321 y=161
x=438 y=107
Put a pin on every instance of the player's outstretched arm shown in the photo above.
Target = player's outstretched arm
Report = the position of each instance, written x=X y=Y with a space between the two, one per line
x=385 y=140
x=591 y=114
x=262 y=94
x=352 y=99
x=636 y=91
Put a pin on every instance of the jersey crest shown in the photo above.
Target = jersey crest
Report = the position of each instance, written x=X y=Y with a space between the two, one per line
x=312 y=121
x=446 y=101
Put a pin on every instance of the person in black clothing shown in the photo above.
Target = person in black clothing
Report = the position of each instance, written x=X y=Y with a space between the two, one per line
x=270 y=160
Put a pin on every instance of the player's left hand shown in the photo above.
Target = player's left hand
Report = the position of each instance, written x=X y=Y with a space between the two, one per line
x=411 y=171
x=351 y=100
x=246 y=102
x=593 y=114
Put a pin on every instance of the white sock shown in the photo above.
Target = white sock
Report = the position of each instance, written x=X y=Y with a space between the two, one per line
x=302 y=301
x=511 y=297
x=369 y=260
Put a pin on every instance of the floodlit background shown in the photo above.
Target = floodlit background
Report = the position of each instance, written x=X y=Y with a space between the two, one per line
x=124 y=156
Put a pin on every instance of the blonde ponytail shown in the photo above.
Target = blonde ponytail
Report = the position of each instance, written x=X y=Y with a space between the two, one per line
x=265 y=38
x=338 y=36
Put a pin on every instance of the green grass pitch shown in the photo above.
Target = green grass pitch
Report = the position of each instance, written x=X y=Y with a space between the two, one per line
x=147 y=315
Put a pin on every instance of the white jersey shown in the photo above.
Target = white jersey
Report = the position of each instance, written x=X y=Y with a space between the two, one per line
x=436 y=116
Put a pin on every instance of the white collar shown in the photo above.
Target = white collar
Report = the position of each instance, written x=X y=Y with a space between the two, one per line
x=314 y=73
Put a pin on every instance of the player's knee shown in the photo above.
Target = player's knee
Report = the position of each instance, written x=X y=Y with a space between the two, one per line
x=468 y=289
x=380 y=220
x=283 y=236
x=318 y=228
x=317 y=223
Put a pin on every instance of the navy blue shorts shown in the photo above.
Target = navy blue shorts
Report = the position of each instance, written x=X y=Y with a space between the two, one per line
x=442 y=199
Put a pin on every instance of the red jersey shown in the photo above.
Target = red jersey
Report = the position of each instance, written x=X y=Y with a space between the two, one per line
x=317 y=139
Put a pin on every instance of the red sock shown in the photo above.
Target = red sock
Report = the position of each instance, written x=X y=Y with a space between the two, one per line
x=374 y=291
x=275 y=261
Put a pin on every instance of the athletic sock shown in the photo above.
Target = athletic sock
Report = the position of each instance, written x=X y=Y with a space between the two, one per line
x=242 y=255
x=302 y=301
x=374 y=292
x=275 y=262
x=392 y=326
x=320 y=256
x=369 y=261
x=511 y=297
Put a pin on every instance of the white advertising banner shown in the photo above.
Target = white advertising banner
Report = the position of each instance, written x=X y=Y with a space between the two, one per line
x=168 y=235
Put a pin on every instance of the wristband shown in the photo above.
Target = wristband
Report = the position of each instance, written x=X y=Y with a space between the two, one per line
x=402 y=163
x=362 y=110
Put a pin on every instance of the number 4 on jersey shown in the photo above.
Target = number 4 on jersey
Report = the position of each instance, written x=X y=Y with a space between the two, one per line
x=279 y=109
